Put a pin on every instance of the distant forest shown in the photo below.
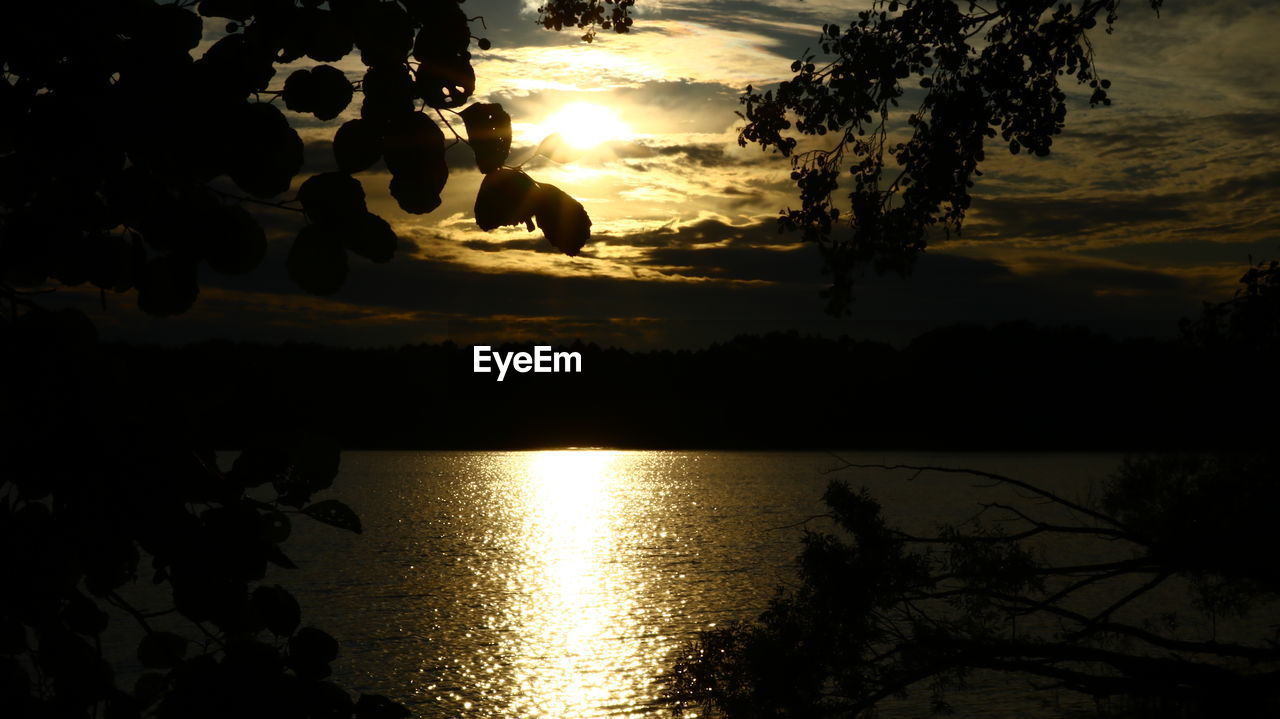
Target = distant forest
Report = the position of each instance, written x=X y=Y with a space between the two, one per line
x=1008 y=387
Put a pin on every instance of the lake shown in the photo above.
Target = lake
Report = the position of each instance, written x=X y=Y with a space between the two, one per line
x=561 y=584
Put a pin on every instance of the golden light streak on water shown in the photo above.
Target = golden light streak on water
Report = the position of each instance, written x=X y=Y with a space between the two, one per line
x=573 y=643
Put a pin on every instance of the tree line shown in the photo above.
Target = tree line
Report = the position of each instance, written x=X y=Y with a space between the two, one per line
x=965 y=387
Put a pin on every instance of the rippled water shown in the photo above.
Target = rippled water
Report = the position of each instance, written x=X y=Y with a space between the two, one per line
x=561 y=584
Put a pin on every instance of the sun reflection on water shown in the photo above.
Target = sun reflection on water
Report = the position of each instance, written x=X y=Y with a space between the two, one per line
x=552 y=584
x=569 y=642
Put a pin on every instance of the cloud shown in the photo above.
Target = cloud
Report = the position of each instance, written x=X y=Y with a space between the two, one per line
x=705 y=154
x=709 y=231
x=1033 y=217
x=532 y=245
x=1144 y=209
x=1102 y=279
x=797 y=265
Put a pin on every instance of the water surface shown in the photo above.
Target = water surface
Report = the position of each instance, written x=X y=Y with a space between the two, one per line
x=562 y=584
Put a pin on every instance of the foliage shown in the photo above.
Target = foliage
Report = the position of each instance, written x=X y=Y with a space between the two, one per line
x=120 y=120
x=880 y=611
x=588 y=15
x=1249 y=321
x=134 y=135
x=986 y=70
x=105 y=488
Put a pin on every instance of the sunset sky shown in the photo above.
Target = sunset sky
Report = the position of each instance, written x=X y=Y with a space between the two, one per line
x=1144 y=209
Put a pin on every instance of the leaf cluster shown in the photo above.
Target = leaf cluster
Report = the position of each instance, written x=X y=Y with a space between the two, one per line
x=1249 y=321
x=879 y=611
x=978 y=73
x=119 y=132
x=89 y=509
x=508 y=196
x=588 y=15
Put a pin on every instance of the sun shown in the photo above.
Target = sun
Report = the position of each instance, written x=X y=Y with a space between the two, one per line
x=583 y=125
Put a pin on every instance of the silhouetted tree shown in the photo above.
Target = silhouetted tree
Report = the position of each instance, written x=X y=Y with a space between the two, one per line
x=986 y=70
x=588 y=15
x=134 y=138
x=1250 y=321
x=1053 y=593
x=880 y=611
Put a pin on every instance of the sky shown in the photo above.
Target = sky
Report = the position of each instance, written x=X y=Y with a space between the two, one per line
x=1145 y=208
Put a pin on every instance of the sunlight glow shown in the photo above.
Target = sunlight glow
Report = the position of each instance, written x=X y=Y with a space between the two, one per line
x=584 y=125
x=571 y=612
x=570 y=570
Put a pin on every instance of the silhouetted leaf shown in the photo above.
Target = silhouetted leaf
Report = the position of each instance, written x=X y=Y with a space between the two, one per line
x=279 y=610
x=167 y=286
x=161 y=650
x=332 y=197
x=506 y=197
x=413 y=148
x=444 y=82
x=333 y=92
x=111 y=262
x=384 y=34
x=323 y=90
x=314 y=463
x=83 y=615
x=417 y=194
x=275 y=527
x=314 y=644
x=370 y=237
x=555 y=148
x=388 y=93
x=149 y=688
x=335 y=513
x=376 y=706
x=562 y=219
x=317 y=262
x=444 y=77
x=246 y=659
x=489 y=134
x=357 y=145
x=12 y=117
x=278 y=558
x=266 y=152
x=255 y=466
x=326 y=37
x=13 y=636
x=299 y=91
x=445 y=29
x=232 y=242
x=238 y=65
x=310 y=652
x=168 y=28
x=326 y=699
x=412 y=141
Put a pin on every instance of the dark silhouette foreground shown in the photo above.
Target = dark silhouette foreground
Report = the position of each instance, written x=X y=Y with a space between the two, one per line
x=1088 y=595
x=130 y=155
x=881 y=612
